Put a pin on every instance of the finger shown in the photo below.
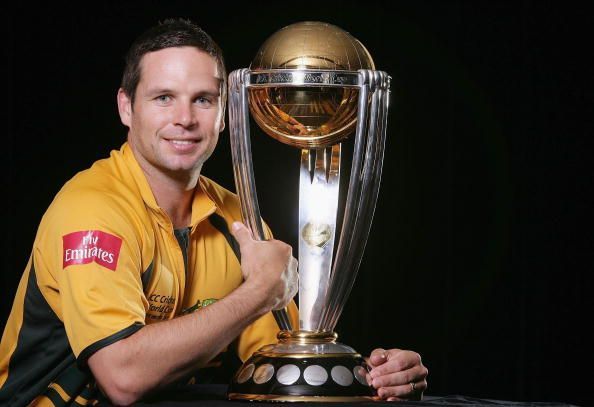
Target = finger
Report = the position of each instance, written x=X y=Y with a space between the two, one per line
x=241 y=233
x=404 y=391
x=415 y=374
x=378 y=357
x=397 y=360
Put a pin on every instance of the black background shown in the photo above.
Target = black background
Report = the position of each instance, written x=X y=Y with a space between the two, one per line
x=480 y=255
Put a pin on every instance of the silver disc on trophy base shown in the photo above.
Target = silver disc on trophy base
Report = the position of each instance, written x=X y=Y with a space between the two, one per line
x=310 y=86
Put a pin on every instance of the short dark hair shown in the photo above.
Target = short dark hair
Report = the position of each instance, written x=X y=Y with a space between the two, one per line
x=170 y=33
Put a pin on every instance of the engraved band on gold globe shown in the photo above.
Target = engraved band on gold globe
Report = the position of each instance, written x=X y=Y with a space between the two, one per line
x=301 y=77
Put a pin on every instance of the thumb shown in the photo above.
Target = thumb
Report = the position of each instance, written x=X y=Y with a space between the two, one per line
x=378 y=357
x=241 y=233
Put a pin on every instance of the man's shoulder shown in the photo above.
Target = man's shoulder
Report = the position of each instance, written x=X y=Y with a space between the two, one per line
x=107 y=180
x=105 y=190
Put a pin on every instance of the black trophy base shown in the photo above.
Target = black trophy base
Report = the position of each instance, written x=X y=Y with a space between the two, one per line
x=298 y=370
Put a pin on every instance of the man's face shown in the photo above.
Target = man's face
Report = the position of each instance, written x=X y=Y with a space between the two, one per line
x=177 y=112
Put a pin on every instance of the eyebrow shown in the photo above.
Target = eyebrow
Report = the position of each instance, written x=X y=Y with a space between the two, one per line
x=158 y=91
x=208 y=93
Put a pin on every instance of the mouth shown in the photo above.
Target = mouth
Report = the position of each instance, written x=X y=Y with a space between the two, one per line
x=182 y=142
x=182 y=145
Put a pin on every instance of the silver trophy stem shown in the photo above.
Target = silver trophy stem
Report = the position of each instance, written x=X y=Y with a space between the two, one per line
x=239 y=131
x=362 y=195
x=318 y=204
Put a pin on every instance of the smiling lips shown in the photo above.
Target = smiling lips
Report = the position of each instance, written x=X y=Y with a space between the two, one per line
x=182 y=142
x=183 y=145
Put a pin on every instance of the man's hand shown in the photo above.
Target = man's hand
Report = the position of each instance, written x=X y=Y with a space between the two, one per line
x=397 y=374
x=269 y=266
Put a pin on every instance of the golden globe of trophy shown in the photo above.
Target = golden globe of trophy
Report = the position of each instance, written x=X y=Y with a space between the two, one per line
x=311 y=86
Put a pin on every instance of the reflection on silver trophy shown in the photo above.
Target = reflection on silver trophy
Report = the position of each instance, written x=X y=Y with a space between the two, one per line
x=311 y=86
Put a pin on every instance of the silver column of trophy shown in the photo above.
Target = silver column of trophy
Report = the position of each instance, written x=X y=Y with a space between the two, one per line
x=310 y=85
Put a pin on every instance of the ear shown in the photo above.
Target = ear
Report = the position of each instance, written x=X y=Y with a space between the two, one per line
x=124 y=108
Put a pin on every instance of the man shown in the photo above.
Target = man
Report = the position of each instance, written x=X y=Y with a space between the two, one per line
x=134 y=281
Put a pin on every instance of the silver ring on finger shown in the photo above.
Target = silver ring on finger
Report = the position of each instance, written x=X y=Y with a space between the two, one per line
x=413 y=386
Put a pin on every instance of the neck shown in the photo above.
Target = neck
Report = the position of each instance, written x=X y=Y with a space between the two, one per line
x=174 y=193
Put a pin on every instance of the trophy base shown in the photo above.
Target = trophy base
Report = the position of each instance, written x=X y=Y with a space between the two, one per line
x=303 y=366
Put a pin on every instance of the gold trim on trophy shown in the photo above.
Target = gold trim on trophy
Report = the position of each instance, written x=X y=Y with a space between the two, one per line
x=304 y=337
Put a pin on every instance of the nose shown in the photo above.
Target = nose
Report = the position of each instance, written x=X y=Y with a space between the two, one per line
x=184 y=114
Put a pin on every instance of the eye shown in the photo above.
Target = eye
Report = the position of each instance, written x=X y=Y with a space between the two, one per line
x=163 y=99
x=203 y=101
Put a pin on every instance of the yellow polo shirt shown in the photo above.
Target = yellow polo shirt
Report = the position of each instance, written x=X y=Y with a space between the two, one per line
x=106 y=261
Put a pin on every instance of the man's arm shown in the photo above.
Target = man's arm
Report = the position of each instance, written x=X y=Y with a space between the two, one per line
x=161 y=353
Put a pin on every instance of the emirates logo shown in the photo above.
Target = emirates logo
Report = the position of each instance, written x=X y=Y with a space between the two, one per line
x=89 y=246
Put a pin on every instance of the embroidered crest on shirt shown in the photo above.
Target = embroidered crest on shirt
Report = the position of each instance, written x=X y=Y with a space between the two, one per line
x=89 y=246
x=199 y=304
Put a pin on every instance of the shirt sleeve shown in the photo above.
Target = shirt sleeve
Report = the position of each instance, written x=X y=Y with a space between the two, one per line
x=90 y=245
